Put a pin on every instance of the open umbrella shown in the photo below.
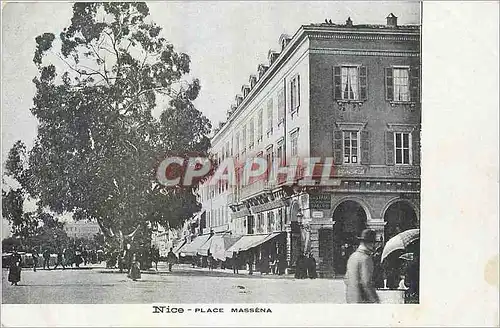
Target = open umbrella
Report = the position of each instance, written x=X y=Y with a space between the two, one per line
x=400 y=242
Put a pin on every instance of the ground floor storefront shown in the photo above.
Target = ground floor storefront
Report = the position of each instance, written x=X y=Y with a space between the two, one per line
x=326 y=222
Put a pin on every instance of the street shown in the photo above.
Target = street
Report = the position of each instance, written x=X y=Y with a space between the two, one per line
x=98 y=285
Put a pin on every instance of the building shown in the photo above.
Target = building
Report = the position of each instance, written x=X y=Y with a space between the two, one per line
x=341 y=91
x=163 y=239
x=81 y=229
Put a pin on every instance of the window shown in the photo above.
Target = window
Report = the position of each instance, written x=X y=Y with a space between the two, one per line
x=260 y=119
x=295 y=94
x=402 y=142
x=269 y=117
x=294 y=136
x=281 y=106
x=237 y=144
x=251 y=129
x=243 y=139
x=279 y=153
x=269 y=160
x=402 y=84
x=270 y=221
x=350 y=82
x=351 y=147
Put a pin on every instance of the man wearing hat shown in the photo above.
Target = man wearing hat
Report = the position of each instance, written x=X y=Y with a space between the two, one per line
x=359 y=278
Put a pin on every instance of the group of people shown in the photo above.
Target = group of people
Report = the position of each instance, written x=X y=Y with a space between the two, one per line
x=305 y=267
x=267 y=264
x=364 y=274
x=65 y=257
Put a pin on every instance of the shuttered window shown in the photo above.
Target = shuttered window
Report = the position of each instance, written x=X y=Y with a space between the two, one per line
x=270 y=117
x=350 y=83
x=402 y=84
x=351 y=147
x=260 y=120
x=295 y=94
x=251 y=129
x=281 y=106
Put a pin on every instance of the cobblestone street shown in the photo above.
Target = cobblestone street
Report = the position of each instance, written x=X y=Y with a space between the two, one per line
x=185 y=285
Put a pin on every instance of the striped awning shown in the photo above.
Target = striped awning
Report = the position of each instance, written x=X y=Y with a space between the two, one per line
x=250 y=241
x=217 y=246
x=192 y=248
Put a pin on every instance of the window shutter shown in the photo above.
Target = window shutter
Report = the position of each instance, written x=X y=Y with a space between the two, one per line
x=389 y=84
x=363 y=83
x=415 y=146
x=337 y=147
x=337 y=90
x=414 y=84
x=389 y=148
x=365 y=147
x=298 y=91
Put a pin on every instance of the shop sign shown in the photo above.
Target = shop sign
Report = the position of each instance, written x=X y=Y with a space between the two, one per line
x=320 y=201
x=317 y=214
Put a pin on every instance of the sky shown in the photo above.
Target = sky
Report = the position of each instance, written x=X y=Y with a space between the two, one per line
x=225 y=40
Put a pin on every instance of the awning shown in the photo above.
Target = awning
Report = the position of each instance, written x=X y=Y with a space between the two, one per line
x=250 y=241
x=203 y=250
x=178 y=247
x=217 y=246
x=192 y=248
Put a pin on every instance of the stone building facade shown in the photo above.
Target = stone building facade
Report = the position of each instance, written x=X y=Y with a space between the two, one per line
x=345 y=92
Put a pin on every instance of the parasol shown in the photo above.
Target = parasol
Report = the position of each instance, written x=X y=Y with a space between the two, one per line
x=400 y=242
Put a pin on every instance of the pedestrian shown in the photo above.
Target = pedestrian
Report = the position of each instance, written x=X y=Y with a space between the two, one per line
x=210 y=262
x=15 y=269
x=250 y=264
x=34 y=254
x=412 y=281
x=359 y=276
x=311 y=268
x=135 y=269
x=60 y=260
x=301 y=267
x=171 y=259
x=235 y=262
x=155 y=252
x=46 y=259
x=281 y=263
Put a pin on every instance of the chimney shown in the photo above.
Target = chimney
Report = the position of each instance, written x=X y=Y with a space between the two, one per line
x=392 y=21
x=348 y=22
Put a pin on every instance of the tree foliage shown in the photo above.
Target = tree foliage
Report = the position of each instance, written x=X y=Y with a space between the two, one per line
x=111 y=102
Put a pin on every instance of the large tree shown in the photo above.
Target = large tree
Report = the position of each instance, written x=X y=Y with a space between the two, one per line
x=112 y=101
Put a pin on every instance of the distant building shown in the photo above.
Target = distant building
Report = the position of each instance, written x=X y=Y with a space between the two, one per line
x=81 y=229
x=163 y=239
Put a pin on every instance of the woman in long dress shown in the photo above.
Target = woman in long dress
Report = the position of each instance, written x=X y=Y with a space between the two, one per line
x=135 y=269
x=15 y=269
